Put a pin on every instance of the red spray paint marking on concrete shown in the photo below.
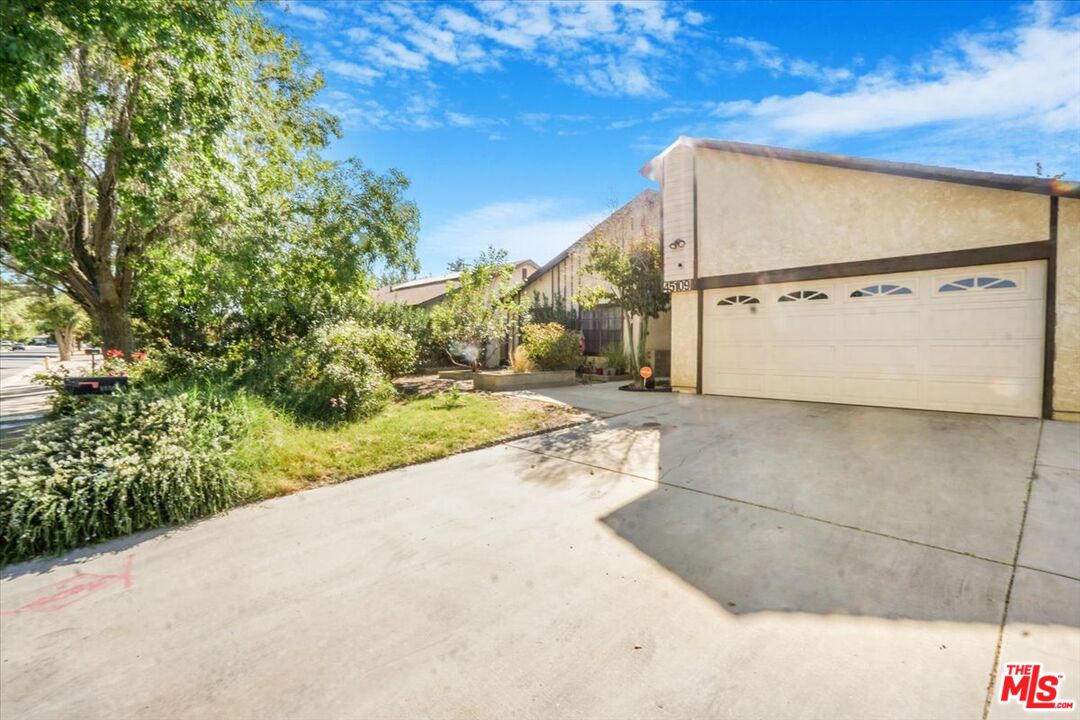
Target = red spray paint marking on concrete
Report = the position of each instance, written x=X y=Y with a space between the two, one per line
x=73 y=589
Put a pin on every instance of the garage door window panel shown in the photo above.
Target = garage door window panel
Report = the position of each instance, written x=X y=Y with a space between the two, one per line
x=797 y=295
x=882 y=290
x=981 y=283
x=739 y=300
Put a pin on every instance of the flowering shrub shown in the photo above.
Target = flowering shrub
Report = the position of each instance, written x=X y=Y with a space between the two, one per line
x=123 y=463
x=164 y=362
x=116 y=364
x=552 y=346
x=337 y=373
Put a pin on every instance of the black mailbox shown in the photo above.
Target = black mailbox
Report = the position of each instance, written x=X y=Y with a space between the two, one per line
x=102 y=385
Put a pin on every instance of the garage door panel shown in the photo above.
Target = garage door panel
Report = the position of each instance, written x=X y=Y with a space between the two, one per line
x=801 y=326
x=1003 y=396
x=801 y=386
x=985 y=359
x=739 y=329
x=977 y=347
x=983 y=322
x=737 y=357
x=880 y=324
x=734 y=383
x=889 y=359
x=801 y=357
x=880 y=391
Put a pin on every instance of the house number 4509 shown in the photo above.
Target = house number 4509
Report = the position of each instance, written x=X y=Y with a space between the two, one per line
x=677 y=286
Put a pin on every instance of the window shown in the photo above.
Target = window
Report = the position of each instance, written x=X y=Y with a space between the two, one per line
x=738 y=300
x=987 y=283
x=803 y=295
x=884 y=289
x=600 y=326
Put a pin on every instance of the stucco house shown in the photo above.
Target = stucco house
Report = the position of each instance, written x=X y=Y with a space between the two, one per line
x=809 y=276
x=429 y=291
x=564 y=276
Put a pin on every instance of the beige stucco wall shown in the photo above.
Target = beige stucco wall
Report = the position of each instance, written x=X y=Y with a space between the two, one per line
x=1067 y=331
x=757 y=213
x=678 y=203
x=684 y=341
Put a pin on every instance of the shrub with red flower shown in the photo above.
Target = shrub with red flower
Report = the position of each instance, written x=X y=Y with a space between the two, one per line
x=115 y=364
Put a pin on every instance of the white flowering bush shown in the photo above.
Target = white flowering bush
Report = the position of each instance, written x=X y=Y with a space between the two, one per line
x=127 y=462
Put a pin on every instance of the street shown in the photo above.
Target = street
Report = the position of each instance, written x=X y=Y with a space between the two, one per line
x=14 y=362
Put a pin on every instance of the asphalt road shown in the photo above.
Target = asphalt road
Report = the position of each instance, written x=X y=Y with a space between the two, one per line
x=13 y=362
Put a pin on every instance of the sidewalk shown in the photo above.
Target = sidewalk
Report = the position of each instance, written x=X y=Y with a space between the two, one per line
x=24 y=403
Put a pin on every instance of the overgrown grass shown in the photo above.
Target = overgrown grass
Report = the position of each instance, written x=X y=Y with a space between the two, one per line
x=278 y=456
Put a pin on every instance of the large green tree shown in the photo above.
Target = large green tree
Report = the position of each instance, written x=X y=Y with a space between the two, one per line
x=146 y=142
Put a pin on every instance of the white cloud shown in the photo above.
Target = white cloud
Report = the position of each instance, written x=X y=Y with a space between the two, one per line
x=534 y=228
x=308 y=12
x=596 y=45
x=360 y=74
x=767 y=56
x=1030 y=74
x=388 y=53
x=465 y=120
x=694 y=18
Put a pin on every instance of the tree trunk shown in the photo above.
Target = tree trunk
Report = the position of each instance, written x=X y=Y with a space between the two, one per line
x=64 y=338
x=643 y=333
x=115 y=325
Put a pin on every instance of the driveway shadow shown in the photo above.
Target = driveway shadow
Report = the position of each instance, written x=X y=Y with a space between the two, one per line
x=767 y=506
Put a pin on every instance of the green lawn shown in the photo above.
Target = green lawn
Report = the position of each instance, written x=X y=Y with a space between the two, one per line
x=279 y=456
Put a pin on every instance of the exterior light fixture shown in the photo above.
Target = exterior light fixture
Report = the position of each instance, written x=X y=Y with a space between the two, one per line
x=676 y=244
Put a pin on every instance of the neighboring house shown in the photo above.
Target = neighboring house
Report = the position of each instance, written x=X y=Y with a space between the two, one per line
x=564 y=276
x=429 y=291
x=808 y=276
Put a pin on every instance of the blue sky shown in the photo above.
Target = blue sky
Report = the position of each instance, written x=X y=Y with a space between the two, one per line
x=522 y=124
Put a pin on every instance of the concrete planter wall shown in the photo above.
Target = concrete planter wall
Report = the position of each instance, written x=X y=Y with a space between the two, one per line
x=456 y=374
x=508 y=380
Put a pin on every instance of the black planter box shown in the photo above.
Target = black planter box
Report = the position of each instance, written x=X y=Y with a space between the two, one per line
x=95 y=385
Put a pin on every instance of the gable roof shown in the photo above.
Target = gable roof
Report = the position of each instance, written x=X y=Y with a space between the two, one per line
x=437 y=287
x=641 y=196
x=1020 y=183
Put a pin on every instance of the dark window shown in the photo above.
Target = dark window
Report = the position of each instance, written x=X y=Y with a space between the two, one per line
x=803 y=295
x=990 y=283
x=600 y=326
x=873 y=290
x=738 y=300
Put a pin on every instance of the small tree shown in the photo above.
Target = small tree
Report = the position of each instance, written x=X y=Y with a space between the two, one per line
x=482 y=308
x=58 y=314
x=15 y=323
x=633 y=281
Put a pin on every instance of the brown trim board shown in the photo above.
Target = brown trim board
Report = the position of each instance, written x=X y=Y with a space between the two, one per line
x=1019 y=252
x=1051 y=314
x=700 y=290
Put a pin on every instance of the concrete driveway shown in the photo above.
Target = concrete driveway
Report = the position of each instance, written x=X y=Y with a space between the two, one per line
x=686 y=557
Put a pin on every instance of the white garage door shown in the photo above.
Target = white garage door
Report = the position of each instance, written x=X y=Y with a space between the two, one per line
x=961 y=339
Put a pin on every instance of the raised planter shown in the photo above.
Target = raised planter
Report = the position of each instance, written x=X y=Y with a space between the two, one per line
x=496 y=380
x=456 y=374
